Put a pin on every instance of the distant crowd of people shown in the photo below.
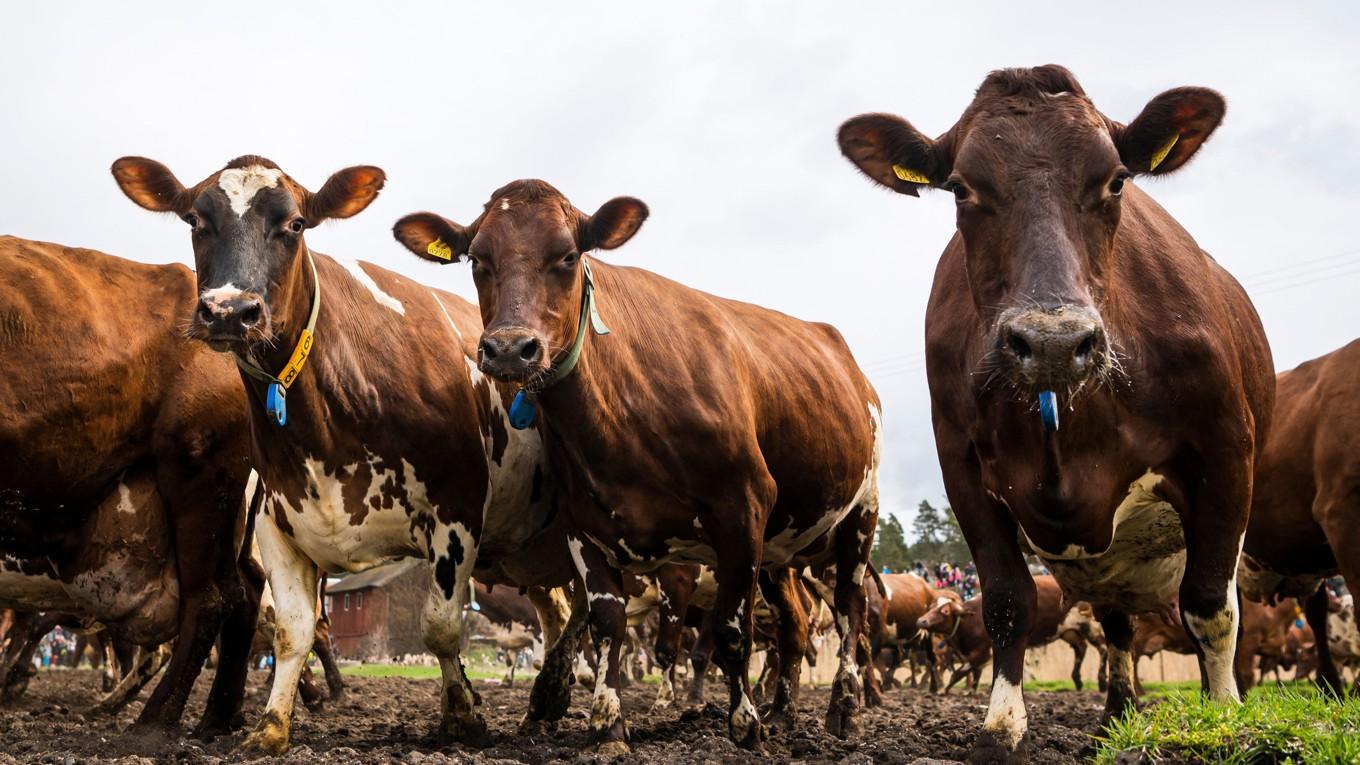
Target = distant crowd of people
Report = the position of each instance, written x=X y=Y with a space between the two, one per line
x=962 y=579
x=56 y=649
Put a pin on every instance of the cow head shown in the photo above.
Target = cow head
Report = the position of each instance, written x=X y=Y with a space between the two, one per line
x=1037 y=174
x=525 y=249
x=942 y=616
x=247 y=222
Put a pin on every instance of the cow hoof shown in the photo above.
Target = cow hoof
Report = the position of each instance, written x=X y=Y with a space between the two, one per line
x=873 y=697
x=529 y=727
x=783 y=720
x=989 y=750
x=471 y=733
x=842 y=721
x=270 y=737
x=659 y=706
x=210 y=728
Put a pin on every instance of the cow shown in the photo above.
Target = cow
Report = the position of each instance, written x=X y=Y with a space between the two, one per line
x=697 y=429
x=1343 y=637
x=123 y=487
x=1264 y=635
x=1099 y=385
x=371 y=445
x=894 y=627
x=1305 y=513
x=514 y=619
x=962 y=625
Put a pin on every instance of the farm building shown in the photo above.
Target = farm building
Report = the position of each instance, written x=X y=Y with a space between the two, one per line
x=375 y=614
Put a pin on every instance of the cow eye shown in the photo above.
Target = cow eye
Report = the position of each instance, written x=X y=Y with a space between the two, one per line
x=297 y=225
x=191 y=219
x=570 y=258
x=1117 y=184
x=956 y=188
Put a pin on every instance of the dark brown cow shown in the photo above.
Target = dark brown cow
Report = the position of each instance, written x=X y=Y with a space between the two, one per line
x=894 y=627
x=388 y=450
x=125 y=465
x=1305 y=514
x=1054 y=619
x=698 y=430
x=1069 y=291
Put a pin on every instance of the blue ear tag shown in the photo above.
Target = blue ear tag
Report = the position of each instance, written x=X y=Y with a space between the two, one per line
x=522 y=410
x=1048 y=410
x=275 y=404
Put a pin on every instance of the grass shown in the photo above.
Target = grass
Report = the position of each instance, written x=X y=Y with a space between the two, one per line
x=1292 y=723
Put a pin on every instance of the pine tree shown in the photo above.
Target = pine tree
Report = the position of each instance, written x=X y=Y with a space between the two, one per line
x=890 y=548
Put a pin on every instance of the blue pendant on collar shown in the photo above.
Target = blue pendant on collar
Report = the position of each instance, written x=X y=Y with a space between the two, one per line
x=524 y=409
x=276 y=394
x=1048 y=410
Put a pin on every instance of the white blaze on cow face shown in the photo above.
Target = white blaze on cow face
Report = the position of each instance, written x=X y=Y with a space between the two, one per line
x=356 y=269
x=1006 y=712
x=241 y=184
x=211 y=298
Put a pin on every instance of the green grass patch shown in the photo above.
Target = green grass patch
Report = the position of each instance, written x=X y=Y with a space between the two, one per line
x=1294 y=723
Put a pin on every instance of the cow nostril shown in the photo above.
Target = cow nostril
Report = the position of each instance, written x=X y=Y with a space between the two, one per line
x=530 y=350
x=488 y=351
x=1018 y=346
x=205 y=313
x=249 y=314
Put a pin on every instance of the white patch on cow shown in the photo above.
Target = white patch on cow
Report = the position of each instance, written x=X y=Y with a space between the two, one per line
x=1217 y=635
x=887 y=592
x=1343 y=634
x=458 y=333
x=125 y=505
x=623 y=545
x=604 y=707
x=505 y=204
x=1006 y=712
x=241 y=184
x=744 y=717
x=782 y=547
x=1141 y=569
x=216 y=295
x=356 y=269
x=698 y=524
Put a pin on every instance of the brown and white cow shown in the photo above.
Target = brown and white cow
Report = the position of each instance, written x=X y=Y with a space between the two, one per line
x=698 y=429
x=1305 y=513
x=906 y=598
x=388 y=449
x=1100 y=386
x=125 y=465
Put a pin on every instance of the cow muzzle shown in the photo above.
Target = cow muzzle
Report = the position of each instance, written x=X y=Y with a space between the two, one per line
x=227 y=320
x=1056 y=349
x=513 y=354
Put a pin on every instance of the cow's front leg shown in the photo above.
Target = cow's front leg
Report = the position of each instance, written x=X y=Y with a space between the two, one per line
x=1215 y=523
x=452 y=555
x=1328 y=678
x=700 y=658
x=674 y=584
x=292 y=580
x=608 y=627
x=1121 y=684
x=733 y=621
x=853 y=542
x=551 y=694
x=780 y=588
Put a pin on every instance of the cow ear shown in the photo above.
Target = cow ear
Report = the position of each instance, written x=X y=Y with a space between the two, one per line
x=614 y=223
x=1170 y=129
x=345 y=194
x=432 y=237
x=892 y=153
x=151 y=185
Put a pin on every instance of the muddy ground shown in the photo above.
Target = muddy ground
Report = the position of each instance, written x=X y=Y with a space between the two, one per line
x=392 y=720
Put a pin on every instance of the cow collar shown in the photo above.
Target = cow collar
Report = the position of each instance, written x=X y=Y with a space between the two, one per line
x=275 y=400
x=958 y=619
x=525 y=407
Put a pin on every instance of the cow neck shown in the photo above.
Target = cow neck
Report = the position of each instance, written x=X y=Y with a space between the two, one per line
x=277 y=386
x=588 y=318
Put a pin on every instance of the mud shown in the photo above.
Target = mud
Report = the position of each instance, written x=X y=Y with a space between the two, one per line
x=391 y=720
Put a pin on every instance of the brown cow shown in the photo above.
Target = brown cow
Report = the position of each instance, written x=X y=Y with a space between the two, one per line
x=1305 y=513
x=121 y=490
x=1054 y=619
x=1265 y=634
x=1069 y=291
x=697 y=430
x=894 y=627
x=380 y=448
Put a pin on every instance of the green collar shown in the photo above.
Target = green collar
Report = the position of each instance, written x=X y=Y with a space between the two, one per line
x=278 y=385
x=589 y=313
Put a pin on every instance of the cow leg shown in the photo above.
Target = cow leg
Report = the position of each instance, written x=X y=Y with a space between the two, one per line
x=325 y=651
x=311 y=694
x=443 y=624
x=1315 y=611
x=1078 y=644
x=1119 y=644
x=780 y=588
x=222 y=714
x=853 y=542
x=608 y=628
x=110 y=675
x=292 y=580
x=551 y=694
x=1102 y=672
x=733 y=624
x=1009 y=600
x=873 y=691
x=932 y=666
x=700 y=658
x=145 y=665
x=18 y=669
x=1338 y=511
x=674 y=591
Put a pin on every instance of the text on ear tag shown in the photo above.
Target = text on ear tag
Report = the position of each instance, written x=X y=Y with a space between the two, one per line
x=1162 y=152
x=438 y=249
x=909 y=175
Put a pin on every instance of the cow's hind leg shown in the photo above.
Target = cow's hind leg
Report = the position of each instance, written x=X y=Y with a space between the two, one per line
x=1316 y=612
x=780 y=588
x=853 y=541
x=551 y=694
x=1119 y=647
x=443 y=624
x=733 y=621
x=608 y=627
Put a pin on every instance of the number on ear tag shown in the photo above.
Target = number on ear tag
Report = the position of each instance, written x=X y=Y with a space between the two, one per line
x=438 y=249
x=1048 y=410
x=522 y=411
x=909 y=175
x=276 y=404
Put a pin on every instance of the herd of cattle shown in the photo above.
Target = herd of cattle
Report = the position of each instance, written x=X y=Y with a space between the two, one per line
x=1102 y=391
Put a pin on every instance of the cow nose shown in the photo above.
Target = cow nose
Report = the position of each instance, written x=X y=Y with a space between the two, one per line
x=923 y=623
x=230 y=316
x=510 y=353
x=1054 y=348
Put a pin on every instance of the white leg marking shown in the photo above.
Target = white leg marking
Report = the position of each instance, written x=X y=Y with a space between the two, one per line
x=1006 y=712
x=604 y=708
x=292 y=578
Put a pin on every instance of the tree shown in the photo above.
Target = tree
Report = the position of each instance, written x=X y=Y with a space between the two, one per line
x=890 y=549
x=938 y=536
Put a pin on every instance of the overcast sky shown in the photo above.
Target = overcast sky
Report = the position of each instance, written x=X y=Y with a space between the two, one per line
x=720 y=115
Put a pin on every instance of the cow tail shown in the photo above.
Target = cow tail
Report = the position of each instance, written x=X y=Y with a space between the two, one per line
x=878 y=579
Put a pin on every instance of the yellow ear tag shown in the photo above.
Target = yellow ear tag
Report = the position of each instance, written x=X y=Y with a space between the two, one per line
x=910 y=175
x=1162 y=152
x=440 y=250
